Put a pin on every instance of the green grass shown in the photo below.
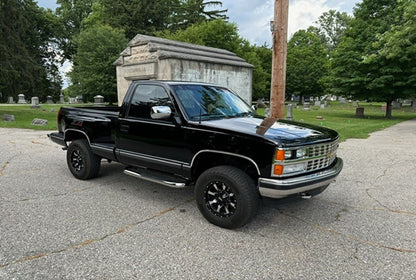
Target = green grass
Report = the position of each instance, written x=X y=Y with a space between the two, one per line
x=24 y=115
x=341 y=117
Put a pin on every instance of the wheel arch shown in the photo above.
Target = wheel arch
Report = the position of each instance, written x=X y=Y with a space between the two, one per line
x=206 y=159
x=75 y=134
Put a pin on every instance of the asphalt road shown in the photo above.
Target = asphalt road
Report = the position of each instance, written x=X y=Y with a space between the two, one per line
x=53 y=226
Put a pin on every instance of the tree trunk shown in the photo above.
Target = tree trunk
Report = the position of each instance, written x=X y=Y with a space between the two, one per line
x=388 y=109
x=414 y=104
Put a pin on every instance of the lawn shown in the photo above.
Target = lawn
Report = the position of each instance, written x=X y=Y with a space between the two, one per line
x=24 y=115
x=340 y=117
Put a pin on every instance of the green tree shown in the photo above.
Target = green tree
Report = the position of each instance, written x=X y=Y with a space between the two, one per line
x=93 y=70
x=307 y=64
x=399 y=44
x=71 y=14
x=27 y=57
x=358 y=69
x=331 y=27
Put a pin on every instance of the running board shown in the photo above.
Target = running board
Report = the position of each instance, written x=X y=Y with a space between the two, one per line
x=153 y=179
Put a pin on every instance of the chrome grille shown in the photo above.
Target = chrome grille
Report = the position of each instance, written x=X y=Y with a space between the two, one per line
x=321 y=150
x=321 y=156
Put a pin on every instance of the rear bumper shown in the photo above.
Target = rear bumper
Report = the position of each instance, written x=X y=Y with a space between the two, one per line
x=58 y=138
x=279 y=188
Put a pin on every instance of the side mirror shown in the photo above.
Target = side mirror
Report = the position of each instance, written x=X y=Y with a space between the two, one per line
x=160 y=112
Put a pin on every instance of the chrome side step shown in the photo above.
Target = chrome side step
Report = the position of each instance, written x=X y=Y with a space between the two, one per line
x=155 y=179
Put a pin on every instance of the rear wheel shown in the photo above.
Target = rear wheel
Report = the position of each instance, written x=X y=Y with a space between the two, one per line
x=226 y=196
x=82 y=162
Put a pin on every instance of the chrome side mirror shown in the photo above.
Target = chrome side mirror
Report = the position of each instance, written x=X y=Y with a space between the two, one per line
x=160 y=112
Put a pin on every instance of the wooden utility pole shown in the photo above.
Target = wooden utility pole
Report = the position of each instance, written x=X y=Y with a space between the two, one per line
x=279 y=29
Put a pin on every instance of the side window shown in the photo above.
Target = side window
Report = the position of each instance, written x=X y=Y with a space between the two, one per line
x=145 y=97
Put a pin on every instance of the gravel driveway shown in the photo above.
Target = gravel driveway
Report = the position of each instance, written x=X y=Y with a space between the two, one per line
x=118 y=227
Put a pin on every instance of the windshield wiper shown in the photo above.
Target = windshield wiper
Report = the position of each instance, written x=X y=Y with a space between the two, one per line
x=207 y=116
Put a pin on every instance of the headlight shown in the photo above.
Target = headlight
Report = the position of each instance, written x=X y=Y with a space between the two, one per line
x=301 y=153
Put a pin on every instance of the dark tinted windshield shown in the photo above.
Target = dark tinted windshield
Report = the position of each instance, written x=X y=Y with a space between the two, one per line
x=210 y=102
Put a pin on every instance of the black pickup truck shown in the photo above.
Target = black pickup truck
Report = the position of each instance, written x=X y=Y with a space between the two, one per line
x=183 y=134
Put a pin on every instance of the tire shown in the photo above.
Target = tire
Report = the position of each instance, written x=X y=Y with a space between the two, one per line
x=226 y=196
x=82 y=162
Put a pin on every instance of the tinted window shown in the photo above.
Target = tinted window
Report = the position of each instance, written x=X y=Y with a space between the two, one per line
x=145 y=97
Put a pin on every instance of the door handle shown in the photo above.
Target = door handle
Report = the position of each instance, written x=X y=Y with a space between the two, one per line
x=124 y=128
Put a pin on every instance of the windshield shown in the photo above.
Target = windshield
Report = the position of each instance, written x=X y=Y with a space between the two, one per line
x=210 y=102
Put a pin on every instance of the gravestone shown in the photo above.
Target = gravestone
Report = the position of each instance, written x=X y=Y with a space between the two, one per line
x=10 y=100
x=306 y=106
x=396 y=105
x=342 y=100
x=49 y=99
x=317 y=103
x=323 y=106
x=355 y=104
x=289 y=115
x=359 y=112
x=21 y=99
x=61 y=99
x=260 y=103
x=35 y=103
x=40 y=122
x=7 y=118
x=99 y=100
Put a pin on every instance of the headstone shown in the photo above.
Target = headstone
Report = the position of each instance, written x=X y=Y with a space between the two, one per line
x=326 y=104
x=49 y=99
x=317 y=103
x=342 y=100
x=79 y=99
x=7 y=118
x=355 y=104
x=61 y=99
x=98 y=100
x=40 y=122
x=359 y=112
x=260 y=103
x=10 y=100
x=35 y=102
x=306 y=106
x=396 y=105
x=289 y=115
x=323 y=106
x=21 y=99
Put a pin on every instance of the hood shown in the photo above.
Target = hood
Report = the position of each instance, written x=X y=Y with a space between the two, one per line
x=281 y=132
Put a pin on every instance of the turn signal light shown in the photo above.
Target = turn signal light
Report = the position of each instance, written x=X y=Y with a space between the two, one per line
x=278 y=169
x=280 y=155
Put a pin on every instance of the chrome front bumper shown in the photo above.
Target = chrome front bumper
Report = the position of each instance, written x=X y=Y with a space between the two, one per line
x=279 y=188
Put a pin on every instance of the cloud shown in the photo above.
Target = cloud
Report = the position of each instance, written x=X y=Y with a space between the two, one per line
x=253 y=17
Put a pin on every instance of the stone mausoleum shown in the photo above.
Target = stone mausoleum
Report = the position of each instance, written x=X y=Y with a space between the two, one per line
x=152 y=58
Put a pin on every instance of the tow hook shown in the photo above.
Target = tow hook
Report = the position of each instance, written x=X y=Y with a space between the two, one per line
x=305 y=195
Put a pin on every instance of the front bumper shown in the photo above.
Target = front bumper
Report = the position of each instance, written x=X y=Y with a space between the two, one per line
x=279 y=188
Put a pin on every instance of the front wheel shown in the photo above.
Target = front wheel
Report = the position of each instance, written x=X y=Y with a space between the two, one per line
x=226 y=196
x=82 y=162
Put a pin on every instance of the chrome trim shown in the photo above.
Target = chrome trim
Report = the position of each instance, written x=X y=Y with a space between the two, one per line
x=149 y=159
x=226 y=153
x=286 y=187
x=155 y=180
